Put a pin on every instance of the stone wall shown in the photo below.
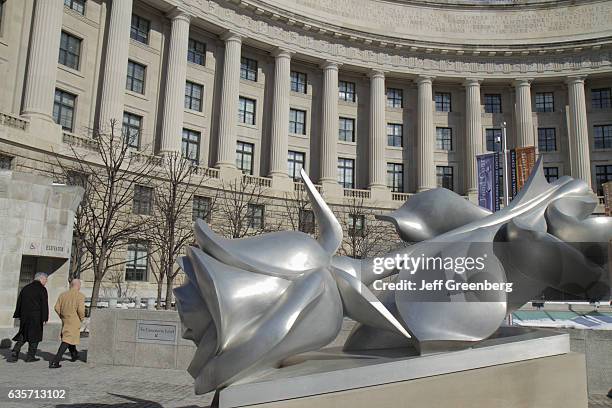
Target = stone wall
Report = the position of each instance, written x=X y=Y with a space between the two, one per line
x=37 y=221
x=597 y=346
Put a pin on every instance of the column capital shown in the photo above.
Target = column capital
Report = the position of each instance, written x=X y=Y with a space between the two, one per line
x=281 y=53
x=229 y=36
x=522 y=82
x=472 y=81
x=424 y=79
x=178 y=14
x=329 y=64
x=575 y=79
x=376 y=73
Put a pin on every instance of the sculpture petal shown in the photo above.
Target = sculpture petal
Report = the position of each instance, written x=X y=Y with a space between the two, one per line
x=431 y=213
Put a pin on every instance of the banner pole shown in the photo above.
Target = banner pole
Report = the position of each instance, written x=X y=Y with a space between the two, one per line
x=504 y=150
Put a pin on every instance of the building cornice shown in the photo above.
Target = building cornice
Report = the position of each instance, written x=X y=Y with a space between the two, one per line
x=262 y=27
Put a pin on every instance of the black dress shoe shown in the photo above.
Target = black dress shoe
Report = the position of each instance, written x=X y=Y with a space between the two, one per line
x=74 y=357
x=54 y=365
x=31 y=359
x=13 y=358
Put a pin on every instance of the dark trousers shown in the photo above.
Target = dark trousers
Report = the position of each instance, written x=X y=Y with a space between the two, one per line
x=32 y=347
x=62 y=350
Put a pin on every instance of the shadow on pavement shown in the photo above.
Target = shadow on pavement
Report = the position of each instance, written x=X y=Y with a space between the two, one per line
x=135 y=403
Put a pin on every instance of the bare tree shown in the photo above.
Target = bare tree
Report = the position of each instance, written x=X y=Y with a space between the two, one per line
x=364 y=235
x=239 y=203
x=111 y=170
x=298 y=211
x=119 y=288
x=171 y=227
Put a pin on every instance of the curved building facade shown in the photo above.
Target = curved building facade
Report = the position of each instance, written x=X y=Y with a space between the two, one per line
x=375 y=99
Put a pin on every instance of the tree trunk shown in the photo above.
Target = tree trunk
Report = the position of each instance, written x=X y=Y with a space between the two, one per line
x=169 y=293
x=160 y=283
x=95 y=292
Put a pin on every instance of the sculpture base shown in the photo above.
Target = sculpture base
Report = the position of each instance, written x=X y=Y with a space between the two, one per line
x=519 y=367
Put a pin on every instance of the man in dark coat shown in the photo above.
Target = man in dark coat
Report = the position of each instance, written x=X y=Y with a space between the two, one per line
x=32 y=310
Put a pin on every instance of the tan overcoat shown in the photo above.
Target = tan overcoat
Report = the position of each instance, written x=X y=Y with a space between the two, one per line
x=70 y=307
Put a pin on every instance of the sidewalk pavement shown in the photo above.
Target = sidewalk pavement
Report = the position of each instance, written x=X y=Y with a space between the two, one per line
x=97 y=387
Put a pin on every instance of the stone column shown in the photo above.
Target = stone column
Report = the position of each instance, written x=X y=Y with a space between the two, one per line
x=115 y=66
x=377 y=165
x=44 y=47
x=280 y=119
x=228 y=116
x=524 y=119
x=426 y=170
x=174 y=101
x=578 y=130
x=329 y=130
x=473 y=133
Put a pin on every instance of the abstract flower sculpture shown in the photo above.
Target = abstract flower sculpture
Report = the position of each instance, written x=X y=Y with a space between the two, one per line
x=250 y=303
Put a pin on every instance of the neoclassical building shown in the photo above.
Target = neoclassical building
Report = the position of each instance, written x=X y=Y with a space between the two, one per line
x=375 y=99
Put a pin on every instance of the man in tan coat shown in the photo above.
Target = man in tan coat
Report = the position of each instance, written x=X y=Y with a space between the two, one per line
x=70 y=307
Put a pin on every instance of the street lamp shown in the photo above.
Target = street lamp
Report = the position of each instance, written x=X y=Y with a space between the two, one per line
x=503 y=143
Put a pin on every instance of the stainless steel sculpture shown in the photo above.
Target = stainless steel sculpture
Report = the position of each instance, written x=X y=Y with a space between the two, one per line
x=250 y=303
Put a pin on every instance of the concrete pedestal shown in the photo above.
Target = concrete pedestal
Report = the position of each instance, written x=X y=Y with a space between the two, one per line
x=518 y=368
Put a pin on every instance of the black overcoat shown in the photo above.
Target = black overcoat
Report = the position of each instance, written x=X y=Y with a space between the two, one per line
x=32 y=310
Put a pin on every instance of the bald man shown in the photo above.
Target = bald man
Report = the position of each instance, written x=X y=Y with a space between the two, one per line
x=70 y=307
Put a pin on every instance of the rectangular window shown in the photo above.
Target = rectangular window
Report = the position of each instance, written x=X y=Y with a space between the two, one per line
x=395 y=98
x=248 y=69
x=298 y=82
x=494 y=138
x=139 y=30
x=295 y=164
x=196 y=52
x=443 y=101
x=297 y=121
x=551 y=173
x=200 y=208
x=603 y=137
x=143 y=200
x=137 y=261
x=191 y=146
x=356 y=227
x=603 y=174
x=255 y=216
x=307 y=221
x=547 y=139
x=6 y=162
x=395 y=177
x=70 y=50
x=444 y=138
x=601 y=98
x=246 y=111
x=76 y=5
x=244 y=157
x=135 y=77
x=193 y=96
x=132 y=128
x=63 y=109
x=444 y=175
x=346 y=129
x=346 y=91
x=545 y=102
x=395 y=134
x=492 y=103
x=346 y=172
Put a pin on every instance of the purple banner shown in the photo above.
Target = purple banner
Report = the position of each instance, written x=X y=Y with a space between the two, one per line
x=488 y=181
